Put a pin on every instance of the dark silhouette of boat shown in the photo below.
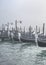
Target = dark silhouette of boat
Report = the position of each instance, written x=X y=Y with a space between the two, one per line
x=28 y=36
x=42 y=38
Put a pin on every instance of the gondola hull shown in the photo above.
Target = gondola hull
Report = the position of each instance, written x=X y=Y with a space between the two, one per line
x=42 y=43
x=27 y=40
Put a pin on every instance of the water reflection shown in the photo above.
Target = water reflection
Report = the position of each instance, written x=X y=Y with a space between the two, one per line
x=41 y=58
x=21 y=54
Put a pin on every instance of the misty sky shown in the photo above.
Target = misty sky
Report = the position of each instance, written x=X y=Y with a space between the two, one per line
x=30 y=12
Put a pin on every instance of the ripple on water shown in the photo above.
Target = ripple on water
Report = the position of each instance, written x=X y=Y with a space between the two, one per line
x=22 y=54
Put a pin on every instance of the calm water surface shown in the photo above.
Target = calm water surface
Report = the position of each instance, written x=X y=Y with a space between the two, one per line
x=21 y=54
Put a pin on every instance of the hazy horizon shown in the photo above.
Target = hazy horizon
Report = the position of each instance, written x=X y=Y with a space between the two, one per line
x=30 y=12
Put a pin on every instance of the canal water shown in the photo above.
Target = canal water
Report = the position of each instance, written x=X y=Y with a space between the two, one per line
x=14 y=53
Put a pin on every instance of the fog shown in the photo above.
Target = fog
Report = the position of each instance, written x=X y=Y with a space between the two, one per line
x=30 y=12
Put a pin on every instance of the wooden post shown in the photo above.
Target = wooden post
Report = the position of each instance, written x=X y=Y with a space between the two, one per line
x=16 y=25
x=36 y=29
x=43 y=28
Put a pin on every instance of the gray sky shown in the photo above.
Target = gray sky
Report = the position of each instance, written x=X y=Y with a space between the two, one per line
x=30 y=12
